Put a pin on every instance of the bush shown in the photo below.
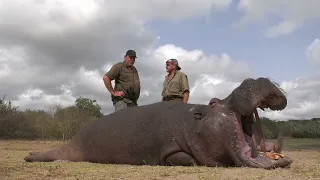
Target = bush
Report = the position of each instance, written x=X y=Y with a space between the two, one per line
x=13 y=123
x=60 y=123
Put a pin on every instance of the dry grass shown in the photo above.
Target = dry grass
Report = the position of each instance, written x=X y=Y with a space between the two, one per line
x=306 y=166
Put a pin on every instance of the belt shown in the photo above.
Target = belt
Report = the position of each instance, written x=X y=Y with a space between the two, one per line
x=168 y=98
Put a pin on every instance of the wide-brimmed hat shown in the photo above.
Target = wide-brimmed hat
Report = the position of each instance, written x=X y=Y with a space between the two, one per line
x=175 y=62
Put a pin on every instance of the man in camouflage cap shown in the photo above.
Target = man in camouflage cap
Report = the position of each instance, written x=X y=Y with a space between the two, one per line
x=175 y=85
x=127 y=83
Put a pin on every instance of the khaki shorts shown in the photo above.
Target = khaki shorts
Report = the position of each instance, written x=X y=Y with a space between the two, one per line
x=176 y=99
x=121 y=105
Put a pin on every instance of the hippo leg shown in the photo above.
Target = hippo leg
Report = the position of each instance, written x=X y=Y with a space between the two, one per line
x=65 y=152
x=33 y=153
x=181 y=158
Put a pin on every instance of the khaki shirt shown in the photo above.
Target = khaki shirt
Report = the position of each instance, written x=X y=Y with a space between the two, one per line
x=126 y=80
x=176 y=86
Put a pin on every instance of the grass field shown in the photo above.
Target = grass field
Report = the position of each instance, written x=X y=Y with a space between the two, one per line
x=305 y=153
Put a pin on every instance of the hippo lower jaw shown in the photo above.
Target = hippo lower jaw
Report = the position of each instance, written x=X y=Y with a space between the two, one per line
x=250 y=157
x=263 y=161
x=255 y=159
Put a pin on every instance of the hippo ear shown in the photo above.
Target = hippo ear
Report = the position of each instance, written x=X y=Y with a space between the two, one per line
x=198 y=113
x=213 y=102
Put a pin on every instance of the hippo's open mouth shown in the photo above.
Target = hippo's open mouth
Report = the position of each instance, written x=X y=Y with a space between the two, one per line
x=253 y=135
x=247 y=124
x=249 y=140
x=275 y=100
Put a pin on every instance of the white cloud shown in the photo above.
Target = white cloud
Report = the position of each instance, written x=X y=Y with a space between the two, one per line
x=163 y=9
x=37 y=99
x=282 y=28
x=303 y=99
x=218 y=77
x=291 y=14
x=313 y=52
x=54 y=51
x=46 y=45
x=208 y=75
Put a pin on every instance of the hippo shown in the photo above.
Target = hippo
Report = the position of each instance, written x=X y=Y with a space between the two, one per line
x=171 y=133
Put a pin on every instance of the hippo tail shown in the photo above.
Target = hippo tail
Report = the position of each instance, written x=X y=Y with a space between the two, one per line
x=64 y=152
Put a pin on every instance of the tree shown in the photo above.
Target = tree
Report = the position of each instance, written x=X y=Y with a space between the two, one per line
x=89 y=105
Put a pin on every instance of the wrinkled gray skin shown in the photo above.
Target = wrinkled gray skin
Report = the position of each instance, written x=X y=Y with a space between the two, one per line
x=176 y=133
x=257 y=133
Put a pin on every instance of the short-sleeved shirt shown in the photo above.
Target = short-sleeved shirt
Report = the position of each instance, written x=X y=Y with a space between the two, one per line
x=176 y=86
x=126 y=80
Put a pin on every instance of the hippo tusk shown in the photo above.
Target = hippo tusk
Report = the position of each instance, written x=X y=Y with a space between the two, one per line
x=279 y=143
x=259 y=126
x=254 y=152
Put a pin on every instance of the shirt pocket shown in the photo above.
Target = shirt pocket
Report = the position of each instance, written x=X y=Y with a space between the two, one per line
x=127 y=77
x=174 y=87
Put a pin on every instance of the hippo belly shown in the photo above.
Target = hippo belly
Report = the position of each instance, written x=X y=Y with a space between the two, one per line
x=137 y=135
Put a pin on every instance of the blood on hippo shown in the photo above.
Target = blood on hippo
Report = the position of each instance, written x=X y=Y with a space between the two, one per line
x=175 y=133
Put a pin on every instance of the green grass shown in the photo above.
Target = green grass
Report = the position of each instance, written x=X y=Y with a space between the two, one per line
x=302 y=144
x=304 y=152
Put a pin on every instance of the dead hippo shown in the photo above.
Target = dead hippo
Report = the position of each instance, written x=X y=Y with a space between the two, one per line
x=176 y=133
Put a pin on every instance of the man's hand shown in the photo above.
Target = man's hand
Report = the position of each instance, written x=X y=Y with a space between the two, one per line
x=107 y=83
x=117 y=93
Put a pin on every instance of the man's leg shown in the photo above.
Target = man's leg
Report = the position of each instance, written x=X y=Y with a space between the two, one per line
x=120 y=105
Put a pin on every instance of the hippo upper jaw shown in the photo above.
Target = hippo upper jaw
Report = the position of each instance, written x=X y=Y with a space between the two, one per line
x=273 y=102
x=256 y=93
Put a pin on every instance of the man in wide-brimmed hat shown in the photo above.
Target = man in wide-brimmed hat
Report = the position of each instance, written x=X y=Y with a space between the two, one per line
x=175 y=85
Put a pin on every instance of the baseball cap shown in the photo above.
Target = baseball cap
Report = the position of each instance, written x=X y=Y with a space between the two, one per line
x=131 y=53
x=174 y=61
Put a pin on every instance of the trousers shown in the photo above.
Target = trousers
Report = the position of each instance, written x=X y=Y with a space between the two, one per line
x=121 y=105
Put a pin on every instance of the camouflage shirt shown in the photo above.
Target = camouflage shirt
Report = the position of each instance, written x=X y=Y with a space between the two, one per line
x=126 y=80
x=176 y=86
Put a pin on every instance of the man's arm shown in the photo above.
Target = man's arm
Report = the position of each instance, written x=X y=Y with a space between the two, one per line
x=108 y=77
x=186 y=96
x=185 y=88
x=107 y=83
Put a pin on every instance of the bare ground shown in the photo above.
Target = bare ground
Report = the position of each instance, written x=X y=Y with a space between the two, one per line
x=306 y=165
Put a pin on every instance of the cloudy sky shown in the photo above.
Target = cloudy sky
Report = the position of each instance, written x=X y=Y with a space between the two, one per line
x=53 y=51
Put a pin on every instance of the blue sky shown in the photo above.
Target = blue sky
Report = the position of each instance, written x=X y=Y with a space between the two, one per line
x=214 y=35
